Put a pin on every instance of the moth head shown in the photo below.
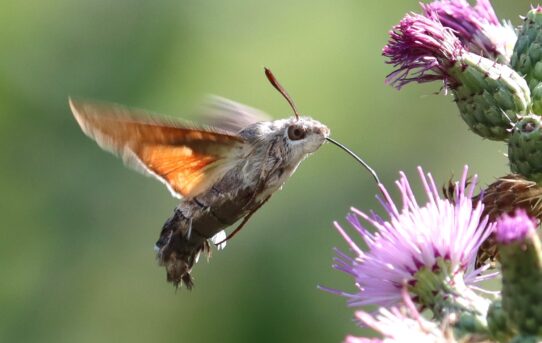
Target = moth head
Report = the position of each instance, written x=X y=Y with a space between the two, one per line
x=305 y=133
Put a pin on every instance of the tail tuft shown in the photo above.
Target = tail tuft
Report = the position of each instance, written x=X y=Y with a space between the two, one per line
x=177 y=252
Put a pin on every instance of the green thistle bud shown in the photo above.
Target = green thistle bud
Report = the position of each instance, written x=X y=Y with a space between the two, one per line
x=536 y=95
x=489 y=95
x=525 y=339
x=525 y=148
x=527 y=56
x=521 y=264
x=498 y=323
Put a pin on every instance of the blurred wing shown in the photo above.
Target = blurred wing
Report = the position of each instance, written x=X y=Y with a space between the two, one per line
x=187 y=160
x=230 y=115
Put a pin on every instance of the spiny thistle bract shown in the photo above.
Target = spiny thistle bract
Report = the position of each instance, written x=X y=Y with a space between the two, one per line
x=527 y=57
x=525 y=148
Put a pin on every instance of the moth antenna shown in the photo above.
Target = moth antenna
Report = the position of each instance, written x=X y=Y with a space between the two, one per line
x=273 y=80
x=356 y=157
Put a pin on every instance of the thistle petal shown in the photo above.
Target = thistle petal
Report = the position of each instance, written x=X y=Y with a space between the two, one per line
x=422 y=50
x=477 y=27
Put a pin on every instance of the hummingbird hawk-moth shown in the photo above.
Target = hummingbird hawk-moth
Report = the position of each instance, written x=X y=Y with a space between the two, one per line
x=222 y=173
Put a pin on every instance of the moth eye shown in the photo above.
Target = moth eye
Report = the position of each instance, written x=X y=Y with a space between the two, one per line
x=296 y=133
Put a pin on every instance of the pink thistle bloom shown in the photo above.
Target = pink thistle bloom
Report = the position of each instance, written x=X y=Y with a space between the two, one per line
x=422 y=50
x=431 y=248
x=477 y=27
x=515 y=228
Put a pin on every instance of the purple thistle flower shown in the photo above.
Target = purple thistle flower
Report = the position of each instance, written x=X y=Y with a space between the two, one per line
x=514 y=228
x=437 y=241
x=422 y=50
x=485 y=11
x=477 y=27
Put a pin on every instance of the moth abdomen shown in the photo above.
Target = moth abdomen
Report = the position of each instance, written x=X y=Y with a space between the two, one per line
x=176 y=251
x=193 y=225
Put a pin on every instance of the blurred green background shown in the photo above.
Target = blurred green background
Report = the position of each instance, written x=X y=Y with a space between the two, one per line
x=78 y=228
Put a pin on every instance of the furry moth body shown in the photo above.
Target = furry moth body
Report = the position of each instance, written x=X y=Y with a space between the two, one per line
x=222 y=173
